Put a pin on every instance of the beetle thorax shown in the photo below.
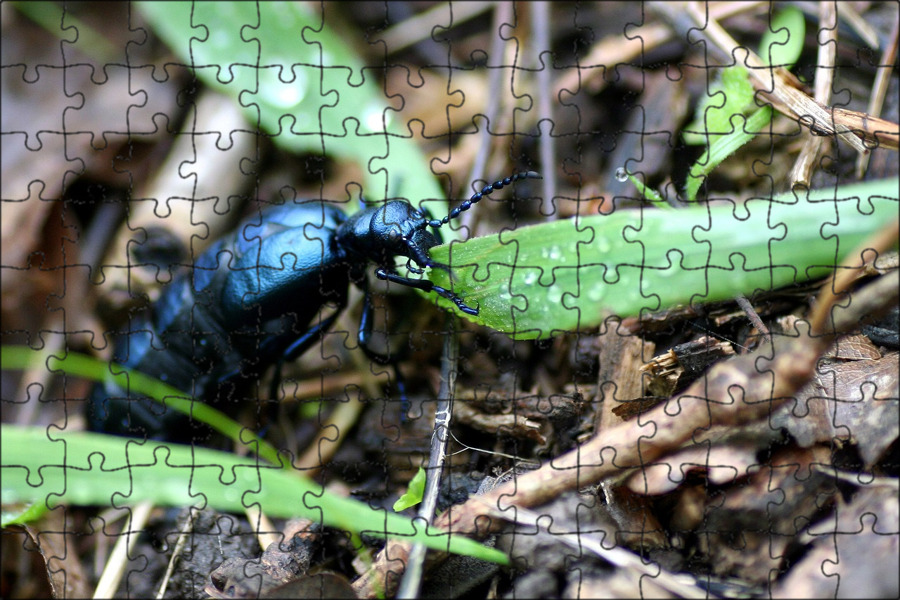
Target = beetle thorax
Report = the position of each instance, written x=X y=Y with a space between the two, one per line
x=383 y=232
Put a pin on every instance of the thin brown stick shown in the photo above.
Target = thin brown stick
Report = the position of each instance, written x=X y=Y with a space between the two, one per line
x=753 y=316
x=813 y=144
x=879 y=88
x=847 y=272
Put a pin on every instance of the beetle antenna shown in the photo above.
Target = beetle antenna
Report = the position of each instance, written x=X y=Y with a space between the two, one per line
x=486 y=190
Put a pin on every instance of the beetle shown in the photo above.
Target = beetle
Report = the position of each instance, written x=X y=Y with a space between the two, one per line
x=251 y=299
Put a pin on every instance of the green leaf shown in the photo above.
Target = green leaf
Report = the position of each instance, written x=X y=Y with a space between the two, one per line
x=304 y=85
x=782 y=43
x=55 y=467
x=414 y=492
x=722 y=147
x=719 y=121
x=539 y=281
x=731 y=94
x=21 y=513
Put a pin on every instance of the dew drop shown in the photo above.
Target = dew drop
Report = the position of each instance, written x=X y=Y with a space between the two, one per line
x=287 y=96
x=554 y=294
x=621 y=175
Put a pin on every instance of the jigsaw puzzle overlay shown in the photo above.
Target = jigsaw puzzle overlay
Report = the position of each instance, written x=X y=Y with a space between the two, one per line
x=619 y=278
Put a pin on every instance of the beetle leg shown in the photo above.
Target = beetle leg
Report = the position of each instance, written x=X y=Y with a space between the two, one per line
x=426 y=286
x=412 y=269
x=366 y=325
x=300 y=346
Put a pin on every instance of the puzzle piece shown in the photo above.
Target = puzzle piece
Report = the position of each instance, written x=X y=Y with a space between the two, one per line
x=648 y=395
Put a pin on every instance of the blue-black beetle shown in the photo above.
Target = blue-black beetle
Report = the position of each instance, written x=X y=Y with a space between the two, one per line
x=251 y=299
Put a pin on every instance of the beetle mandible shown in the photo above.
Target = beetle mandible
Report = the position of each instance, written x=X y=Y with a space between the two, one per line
x=251 y=299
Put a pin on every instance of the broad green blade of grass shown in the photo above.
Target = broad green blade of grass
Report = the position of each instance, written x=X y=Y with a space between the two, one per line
x=298 y=80
x=539 y=281
x=46 y=465
x=87 y=367
x=94 y=469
